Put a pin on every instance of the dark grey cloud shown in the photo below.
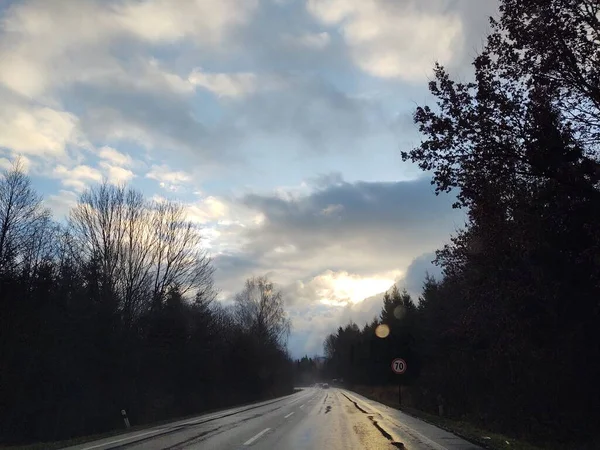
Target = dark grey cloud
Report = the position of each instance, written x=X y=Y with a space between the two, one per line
x=283 y=36
x=475 y=17
x=312 y=111
x=163 y=119
x=366 y=214
x=415 y=275
x=363 y=228
x=305 y=111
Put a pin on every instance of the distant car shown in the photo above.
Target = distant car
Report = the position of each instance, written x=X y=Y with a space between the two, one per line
x=325 y=386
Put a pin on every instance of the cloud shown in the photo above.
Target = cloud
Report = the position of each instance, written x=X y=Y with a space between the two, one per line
x=313 y=322
x=311 y=111
x=61 y=203
x=416 y=272
x=339 y=288
x=162 y=21
x=43 y=43
x=115 y=157
x=8 y=163
x=171 y=180
x=115 y=174
x=373 y=232
x=207 y=210
x=78 y=177
x=98 y=56
x=402 y=39
x=368 y=215
x=223 y=84
x=40 y=131
x=314 y=41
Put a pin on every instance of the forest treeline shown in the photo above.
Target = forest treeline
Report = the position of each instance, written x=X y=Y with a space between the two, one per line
x=116 y=310
x=509 y=337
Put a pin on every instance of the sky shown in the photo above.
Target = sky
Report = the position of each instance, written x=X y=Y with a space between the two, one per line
x=278 y=123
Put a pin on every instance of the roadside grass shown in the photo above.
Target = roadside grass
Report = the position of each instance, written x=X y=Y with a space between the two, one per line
x=388 y=395
x=94 y=437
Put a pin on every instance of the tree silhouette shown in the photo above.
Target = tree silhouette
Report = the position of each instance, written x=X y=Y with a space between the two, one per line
x=117 y=310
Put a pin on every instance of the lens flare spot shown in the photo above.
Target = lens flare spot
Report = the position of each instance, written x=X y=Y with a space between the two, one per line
x=399 y=312
x=382 y=331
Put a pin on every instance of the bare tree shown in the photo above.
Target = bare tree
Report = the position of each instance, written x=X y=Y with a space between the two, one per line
x=143 y=249
x=97 y=223
x=20 y=210
x=179 y=260
x=259 y=308
x=136 y=254
x=41 y=245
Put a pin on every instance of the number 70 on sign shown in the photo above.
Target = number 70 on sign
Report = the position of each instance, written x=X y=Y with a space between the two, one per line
x=398 y=366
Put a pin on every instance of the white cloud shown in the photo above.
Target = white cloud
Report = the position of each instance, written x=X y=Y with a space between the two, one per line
x=163 y=21
x=116 y=174
x=115 y=157
x=224 y=84
x=5 y=164
x=60 y=204
x=56 y=43
x=77 y=178
x=340 y=288
x=331 y=210
x=168 y=179
x=37 y=130
x=209 y=209
x=313 y=322
x=8 y=163
x=393 y=39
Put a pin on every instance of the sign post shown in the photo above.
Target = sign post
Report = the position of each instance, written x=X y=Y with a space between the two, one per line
x=399 y=367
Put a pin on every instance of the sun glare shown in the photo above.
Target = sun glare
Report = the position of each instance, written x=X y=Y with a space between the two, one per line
x=342 y=288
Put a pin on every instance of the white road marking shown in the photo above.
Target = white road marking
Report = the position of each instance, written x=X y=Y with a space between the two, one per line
x=252 y=439
x=301 y=406
x=289 y=415
x=192 y=422
x=124 y=439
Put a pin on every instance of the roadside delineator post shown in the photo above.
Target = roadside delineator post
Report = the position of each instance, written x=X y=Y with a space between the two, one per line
x=125 y=418
x=440 y=401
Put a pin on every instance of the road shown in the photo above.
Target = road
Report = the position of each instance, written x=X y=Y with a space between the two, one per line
x=313 y=418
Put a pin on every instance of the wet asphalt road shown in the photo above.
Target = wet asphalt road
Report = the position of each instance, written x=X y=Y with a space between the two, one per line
x=314 y=418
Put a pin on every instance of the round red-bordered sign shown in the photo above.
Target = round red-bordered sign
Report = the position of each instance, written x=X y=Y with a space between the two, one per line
x=399 y=366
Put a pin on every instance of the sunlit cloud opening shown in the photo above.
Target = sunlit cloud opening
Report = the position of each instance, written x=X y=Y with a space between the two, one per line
x=341 y=288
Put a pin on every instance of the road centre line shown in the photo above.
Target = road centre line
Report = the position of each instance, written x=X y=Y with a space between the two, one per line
x=289 y=415
x=252 y=439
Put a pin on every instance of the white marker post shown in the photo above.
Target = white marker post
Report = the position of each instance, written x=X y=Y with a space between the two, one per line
x=124 y=414
x=399 y=367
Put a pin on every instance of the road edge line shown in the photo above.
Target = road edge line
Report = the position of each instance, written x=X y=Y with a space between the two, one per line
x=431 y=442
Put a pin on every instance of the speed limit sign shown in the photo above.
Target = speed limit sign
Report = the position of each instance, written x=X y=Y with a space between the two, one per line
x=399 y=366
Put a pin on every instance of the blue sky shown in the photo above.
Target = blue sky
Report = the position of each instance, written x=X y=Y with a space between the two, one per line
x=279 y=123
